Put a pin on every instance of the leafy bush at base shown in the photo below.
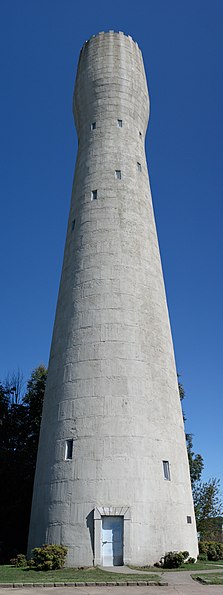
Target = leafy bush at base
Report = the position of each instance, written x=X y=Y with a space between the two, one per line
x=213 y=550
x=174 y=559
x=19 y=561
x=49 y=557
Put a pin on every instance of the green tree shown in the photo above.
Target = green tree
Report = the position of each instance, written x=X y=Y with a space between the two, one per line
x=33 y=401
x=196 y=462
x=208 y=507
x=207 y=497
x=19 y=432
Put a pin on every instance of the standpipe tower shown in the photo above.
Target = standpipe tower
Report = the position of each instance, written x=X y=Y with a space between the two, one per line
x=112 y=479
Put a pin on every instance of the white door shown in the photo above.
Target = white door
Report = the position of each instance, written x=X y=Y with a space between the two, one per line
x=112 y=540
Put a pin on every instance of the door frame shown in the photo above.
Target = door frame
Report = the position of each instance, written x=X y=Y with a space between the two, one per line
x=101 y=511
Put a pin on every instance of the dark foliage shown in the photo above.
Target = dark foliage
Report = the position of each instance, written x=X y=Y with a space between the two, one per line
x=202 y=557
x=19 y=431
x=210 y=550
x=19 y=561
x=174 y=559
x=196 y=462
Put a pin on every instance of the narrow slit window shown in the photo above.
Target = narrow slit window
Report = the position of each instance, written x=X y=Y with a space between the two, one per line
x=94 y=195
x=166 y=470
x=119 y=123
x=73 y=224
x=118 y=174
x=139 y=167
x=189 y=520
x=140 y=134
x=93 y=125
x=69 y=450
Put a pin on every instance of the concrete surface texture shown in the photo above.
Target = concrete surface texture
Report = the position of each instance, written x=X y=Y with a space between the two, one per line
x=192 y=588
x=112 y=387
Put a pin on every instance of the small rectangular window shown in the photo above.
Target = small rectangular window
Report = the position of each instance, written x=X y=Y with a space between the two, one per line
x=118 y=174
x=94 y=195
x=139 y=167
x=189 y=520
x=73 y=224
x=140 y=134
x=166 y=470
x=69 y=450
x=93 y=125
x=119 y=123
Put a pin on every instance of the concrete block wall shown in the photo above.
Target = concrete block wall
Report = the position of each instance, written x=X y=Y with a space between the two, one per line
x=112 y=383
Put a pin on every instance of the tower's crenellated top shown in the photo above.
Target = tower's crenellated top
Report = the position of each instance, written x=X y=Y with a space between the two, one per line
x=110 y=32
x=110 y=78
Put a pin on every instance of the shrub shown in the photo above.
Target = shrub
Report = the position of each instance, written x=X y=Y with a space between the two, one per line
x=219 y=549
x=191 y=560
x=202 y=557
x=49 y=557
x=203 y=547
x=19 y=561
x=212 y=549
x=212 y=553
x=173 y=559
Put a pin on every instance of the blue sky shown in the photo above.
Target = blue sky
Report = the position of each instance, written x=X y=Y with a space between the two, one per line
x=182 y=45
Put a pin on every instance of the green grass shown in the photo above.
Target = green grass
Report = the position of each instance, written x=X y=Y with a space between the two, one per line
x=11 y=574
x=214 y=578
x=197 y=566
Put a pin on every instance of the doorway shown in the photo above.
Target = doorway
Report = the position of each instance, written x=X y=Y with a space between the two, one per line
x=112 y=540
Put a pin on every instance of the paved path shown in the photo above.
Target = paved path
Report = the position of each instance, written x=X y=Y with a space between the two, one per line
x=182 y=577
x=181 y=589
x=179 y=583
x=126 y=570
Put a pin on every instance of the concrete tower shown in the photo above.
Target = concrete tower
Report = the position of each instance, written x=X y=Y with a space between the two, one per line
x=112 y=479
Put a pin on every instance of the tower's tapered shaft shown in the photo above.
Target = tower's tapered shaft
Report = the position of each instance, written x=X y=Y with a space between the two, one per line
x=112 y=479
